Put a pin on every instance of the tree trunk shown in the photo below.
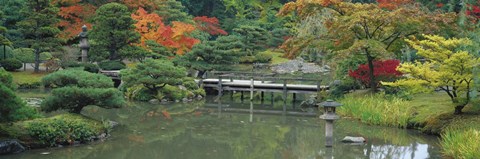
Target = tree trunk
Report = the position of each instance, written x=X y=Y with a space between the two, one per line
x=37 y=61
x=373 y=83
x=458 y=109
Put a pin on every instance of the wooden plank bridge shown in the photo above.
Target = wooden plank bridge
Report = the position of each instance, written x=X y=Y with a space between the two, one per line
x=251 y=82
x=260 y=82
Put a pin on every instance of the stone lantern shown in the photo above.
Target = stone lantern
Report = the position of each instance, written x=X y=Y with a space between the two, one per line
x=84 y=46
x=329 y=116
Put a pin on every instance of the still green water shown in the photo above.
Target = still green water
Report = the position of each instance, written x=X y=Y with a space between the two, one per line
x=145 y=133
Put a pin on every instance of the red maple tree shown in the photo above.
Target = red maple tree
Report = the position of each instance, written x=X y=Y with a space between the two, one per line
x=383 y=71
x=175 y=37
x=209 y=25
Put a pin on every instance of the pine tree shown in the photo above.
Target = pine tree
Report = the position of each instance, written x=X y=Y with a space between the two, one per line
x=112 y=32
x=39 y=29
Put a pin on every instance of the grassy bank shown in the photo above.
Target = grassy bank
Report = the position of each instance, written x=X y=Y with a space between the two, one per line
x=431 y=113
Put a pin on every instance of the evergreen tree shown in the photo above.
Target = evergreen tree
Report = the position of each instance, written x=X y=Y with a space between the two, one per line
x=112 y=32
x=38 y=28
x=254 y=38
x=213 y=55
x=172 y=10
x=12 y=16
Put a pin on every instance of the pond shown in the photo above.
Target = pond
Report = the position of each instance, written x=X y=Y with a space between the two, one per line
x=147 y=131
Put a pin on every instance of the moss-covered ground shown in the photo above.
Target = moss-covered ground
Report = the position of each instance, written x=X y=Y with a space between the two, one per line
x=27 y=77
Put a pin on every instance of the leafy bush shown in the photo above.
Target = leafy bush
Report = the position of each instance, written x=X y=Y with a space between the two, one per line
x=29 y=85
x=143 y=95
x=11 y=64
x=263 y=57
x=76 y=89
x=174 y=93
x=74 y=99
x=90 y=67
x=385 y=71
x=6 y=79
x=247 y=59
x=71 y=77
x=12 y=108
x=190 y=84
x=65 y=129
x=344 y=87
x=70 y=64
x=112 y=65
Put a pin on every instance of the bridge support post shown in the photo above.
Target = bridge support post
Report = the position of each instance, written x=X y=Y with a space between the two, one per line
x=251 y=89
x=271 y=99
x=285 y=95
x=294 y=99
x=220 y=89
x=241 y=96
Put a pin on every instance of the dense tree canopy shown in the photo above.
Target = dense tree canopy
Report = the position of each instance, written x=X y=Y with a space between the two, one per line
x=38 y=28
x=113 y=31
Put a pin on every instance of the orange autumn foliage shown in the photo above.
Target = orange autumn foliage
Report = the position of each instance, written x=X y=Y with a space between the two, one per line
x=151 y=27
x=73 y=15
x=392 y=4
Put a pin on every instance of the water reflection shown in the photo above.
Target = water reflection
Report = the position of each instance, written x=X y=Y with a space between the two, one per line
x=146 y=132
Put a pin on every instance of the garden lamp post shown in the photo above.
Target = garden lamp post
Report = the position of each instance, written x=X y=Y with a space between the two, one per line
x=84 y=46
x=329 y=116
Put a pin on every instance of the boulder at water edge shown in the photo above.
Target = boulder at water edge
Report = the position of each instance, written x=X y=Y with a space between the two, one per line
x=10 y=147
x=350 y=139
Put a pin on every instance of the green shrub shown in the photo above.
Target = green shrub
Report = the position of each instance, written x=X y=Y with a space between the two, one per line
x=174 y=93
x=263 y=57
x=32 y=85
x=72 y=77
x=70 y=64
x=76 y=89
x=190 y=83
x=461 y=144
x=247 y=59
x=344 y=87
x=74 y=99
x=112 y=65
x=11 y=64
x=90 y=67
x=12 y=108
x=200 y=92
x=143 y=95
x=6 y=79
x=65 y=129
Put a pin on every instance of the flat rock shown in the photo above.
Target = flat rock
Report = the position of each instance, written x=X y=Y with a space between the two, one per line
x=350 y=139
x=11 y=147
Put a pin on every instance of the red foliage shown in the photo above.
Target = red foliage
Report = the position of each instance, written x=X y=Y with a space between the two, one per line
x=175 y=37
x=473 y=10
x=210 y=25
x=392 y=4
x=382 y=70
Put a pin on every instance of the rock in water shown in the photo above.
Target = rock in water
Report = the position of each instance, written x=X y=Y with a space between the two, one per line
x=11 y=147
x=154 y=101
x=350 y=139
